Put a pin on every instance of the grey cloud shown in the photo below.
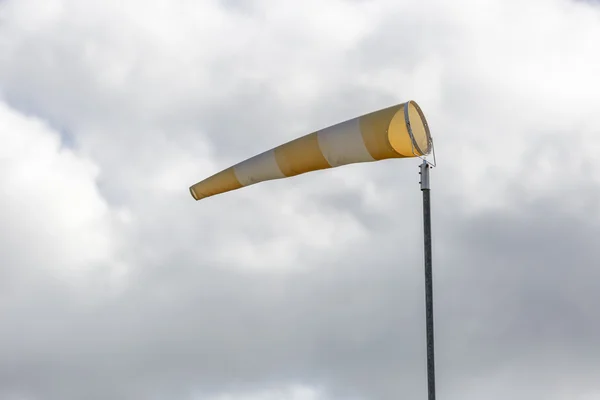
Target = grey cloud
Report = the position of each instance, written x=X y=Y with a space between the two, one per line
x=505 y=298
x=515 y=284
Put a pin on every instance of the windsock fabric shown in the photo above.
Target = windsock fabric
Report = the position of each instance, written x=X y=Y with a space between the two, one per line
x=394 y=132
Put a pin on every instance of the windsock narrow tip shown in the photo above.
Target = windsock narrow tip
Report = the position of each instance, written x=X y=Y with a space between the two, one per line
x=193 y=193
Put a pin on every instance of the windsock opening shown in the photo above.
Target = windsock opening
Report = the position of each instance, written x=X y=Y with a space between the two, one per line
x=408 y=132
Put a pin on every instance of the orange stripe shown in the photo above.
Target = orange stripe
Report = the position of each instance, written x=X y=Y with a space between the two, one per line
x=374 y=128
x=300 y=156
x=223 y=181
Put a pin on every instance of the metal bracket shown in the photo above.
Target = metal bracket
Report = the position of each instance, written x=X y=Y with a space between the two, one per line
x=412 y=137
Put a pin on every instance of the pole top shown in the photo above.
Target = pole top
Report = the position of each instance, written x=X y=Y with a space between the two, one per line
x=424 y=172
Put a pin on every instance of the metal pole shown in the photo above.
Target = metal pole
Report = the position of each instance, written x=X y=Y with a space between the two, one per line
x=425 y=188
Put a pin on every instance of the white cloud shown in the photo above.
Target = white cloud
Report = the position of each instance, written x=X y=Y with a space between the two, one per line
x=295 y=392
x=54 y=216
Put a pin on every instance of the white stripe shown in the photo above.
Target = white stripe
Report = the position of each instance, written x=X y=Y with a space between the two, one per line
x=343 y=144
x=262 y=167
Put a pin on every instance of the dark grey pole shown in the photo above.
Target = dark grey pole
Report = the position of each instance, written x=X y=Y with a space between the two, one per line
x=425 y=188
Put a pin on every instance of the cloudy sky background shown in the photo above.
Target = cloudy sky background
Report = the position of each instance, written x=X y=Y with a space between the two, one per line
x=116 y=284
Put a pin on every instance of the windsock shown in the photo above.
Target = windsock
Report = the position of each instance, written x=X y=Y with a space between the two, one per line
x=395 y=132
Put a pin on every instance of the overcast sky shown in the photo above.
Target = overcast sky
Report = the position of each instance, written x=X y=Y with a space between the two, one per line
x=116 y=284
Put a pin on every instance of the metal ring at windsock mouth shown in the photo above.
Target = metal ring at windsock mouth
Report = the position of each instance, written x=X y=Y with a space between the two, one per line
x=410 y=131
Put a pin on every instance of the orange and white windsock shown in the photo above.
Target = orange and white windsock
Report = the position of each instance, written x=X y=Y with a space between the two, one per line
x=394 y=132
